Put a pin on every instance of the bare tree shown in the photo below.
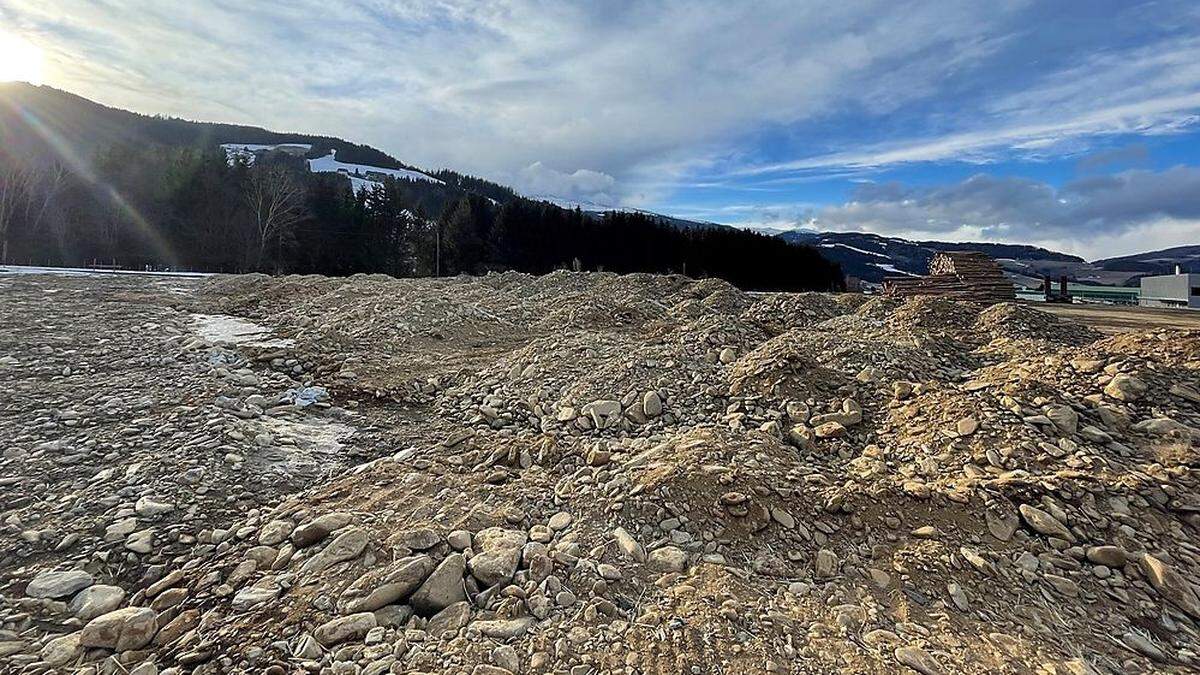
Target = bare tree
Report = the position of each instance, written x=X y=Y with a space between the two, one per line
x=26 y=193
x=276 y=203
x=15 y=186
x=43 y=188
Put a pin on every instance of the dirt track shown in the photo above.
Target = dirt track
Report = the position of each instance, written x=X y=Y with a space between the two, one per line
x=1119 y=319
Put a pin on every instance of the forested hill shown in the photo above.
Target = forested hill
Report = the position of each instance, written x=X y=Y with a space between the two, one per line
x=82 y=183
x=34 y=120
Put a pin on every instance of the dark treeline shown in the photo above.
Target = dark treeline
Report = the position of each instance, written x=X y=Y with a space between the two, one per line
x=144 y=205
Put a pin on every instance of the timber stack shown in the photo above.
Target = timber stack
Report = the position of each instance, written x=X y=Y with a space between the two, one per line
x=958 y=275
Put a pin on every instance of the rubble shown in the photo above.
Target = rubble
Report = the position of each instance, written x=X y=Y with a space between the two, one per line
x=586 y=473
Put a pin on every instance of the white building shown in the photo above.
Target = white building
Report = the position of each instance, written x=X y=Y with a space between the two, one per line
x=1171 y=290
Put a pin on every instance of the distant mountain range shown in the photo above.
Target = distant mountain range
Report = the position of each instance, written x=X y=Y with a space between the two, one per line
x=872 y=257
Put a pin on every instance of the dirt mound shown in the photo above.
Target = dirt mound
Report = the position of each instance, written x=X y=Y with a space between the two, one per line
x=1014 y=322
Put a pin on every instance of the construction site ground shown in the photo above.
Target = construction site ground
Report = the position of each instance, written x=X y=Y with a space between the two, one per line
x=587 y=473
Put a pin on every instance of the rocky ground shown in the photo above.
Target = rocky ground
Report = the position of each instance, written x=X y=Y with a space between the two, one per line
x=585 y=473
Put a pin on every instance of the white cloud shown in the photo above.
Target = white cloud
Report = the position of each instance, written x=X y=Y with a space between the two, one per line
x=581 y=185
x=494 y=87
x=1096 y=217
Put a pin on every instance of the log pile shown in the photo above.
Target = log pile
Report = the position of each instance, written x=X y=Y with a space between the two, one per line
x=958 y=275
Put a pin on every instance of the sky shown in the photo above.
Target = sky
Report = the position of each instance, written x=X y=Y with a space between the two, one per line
x=1068 y=124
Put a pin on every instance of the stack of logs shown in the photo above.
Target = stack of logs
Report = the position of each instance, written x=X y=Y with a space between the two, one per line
x=958 y=275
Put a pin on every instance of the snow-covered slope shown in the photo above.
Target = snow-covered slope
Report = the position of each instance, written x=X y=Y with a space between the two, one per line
x=362 y=176
x=366 y=175
x=248 y=151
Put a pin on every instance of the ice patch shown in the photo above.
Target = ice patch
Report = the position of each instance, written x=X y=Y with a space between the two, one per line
x=305 y=447
x=221 y=329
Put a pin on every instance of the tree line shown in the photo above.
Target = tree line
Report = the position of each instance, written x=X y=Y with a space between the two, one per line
x=144 y=205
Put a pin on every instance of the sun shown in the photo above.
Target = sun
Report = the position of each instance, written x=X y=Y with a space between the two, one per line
x=19 y=60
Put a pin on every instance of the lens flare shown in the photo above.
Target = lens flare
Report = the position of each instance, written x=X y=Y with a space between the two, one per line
x=20 y=60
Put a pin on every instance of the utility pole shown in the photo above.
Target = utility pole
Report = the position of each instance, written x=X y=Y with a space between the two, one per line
x=437 y=247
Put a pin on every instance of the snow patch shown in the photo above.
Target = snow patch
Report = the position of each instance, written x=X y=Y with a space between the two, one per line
x=859 y=250
x=363 y=176
x=892 y=269
x=85 y=271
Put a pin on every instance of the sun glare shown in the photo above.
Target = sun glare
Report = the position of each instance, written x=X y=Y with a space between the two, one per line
x=19 y=60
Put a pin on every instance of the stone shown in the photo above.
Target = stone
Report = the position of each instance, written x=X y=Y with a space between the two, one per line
x=459 y=540
x=1064 y=418
x=418 y=539
x=830 y=430
x=58 y=584
x=1044 y=523
x=121 y=630
x=275 y=532
x=603 y=414
x=782 y=517
x=919 y=660
x=967 y=426
x=347 y=546
x=629 y=546
x=1125 y=388
x=443 y=588
x=1109 y=556
x=387 y=585
x=264 y=591
x=826 y=564
x=450 y=620
x=560 y=521
x=148 y=508
x=317 y=529
x=652 y=404
x=502 y=629
x=497 y=553
x=95 y=600
x=141 y=541
x=1171 y=585
x=62 y=650
x=667 y=559
x=344 y=628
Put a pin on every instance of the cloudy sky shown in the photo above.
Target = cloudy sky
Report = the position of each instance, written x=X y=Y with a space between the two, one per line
x=1071 y=124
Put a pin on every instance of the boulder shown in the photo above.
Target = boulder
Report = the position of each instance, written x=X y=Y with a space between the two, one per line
x=1171 y=585
x=667 y=559
x=344 y=628
x=346 y=546
x=315 y=531
x=95 y=600
x=386 y=585
x=58 y=584
x=1125 y=388
x=443 y=588
x=121 y=630
x=497 y=553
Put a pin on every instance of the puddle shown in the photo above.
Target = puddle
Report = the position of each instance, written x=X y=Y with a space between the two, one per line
x=227 y=330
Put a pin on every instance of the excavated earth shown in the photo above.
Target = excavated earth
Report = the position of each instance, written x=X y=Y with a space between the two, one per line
x=584 y=474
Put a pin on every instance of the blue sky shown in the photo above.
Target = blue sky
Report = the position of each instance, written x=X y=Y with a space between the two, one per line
x=1074 y=125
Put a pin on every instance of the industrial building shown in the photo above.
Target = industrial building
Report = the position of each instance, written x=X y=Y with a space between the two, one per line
x=1171 y=290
